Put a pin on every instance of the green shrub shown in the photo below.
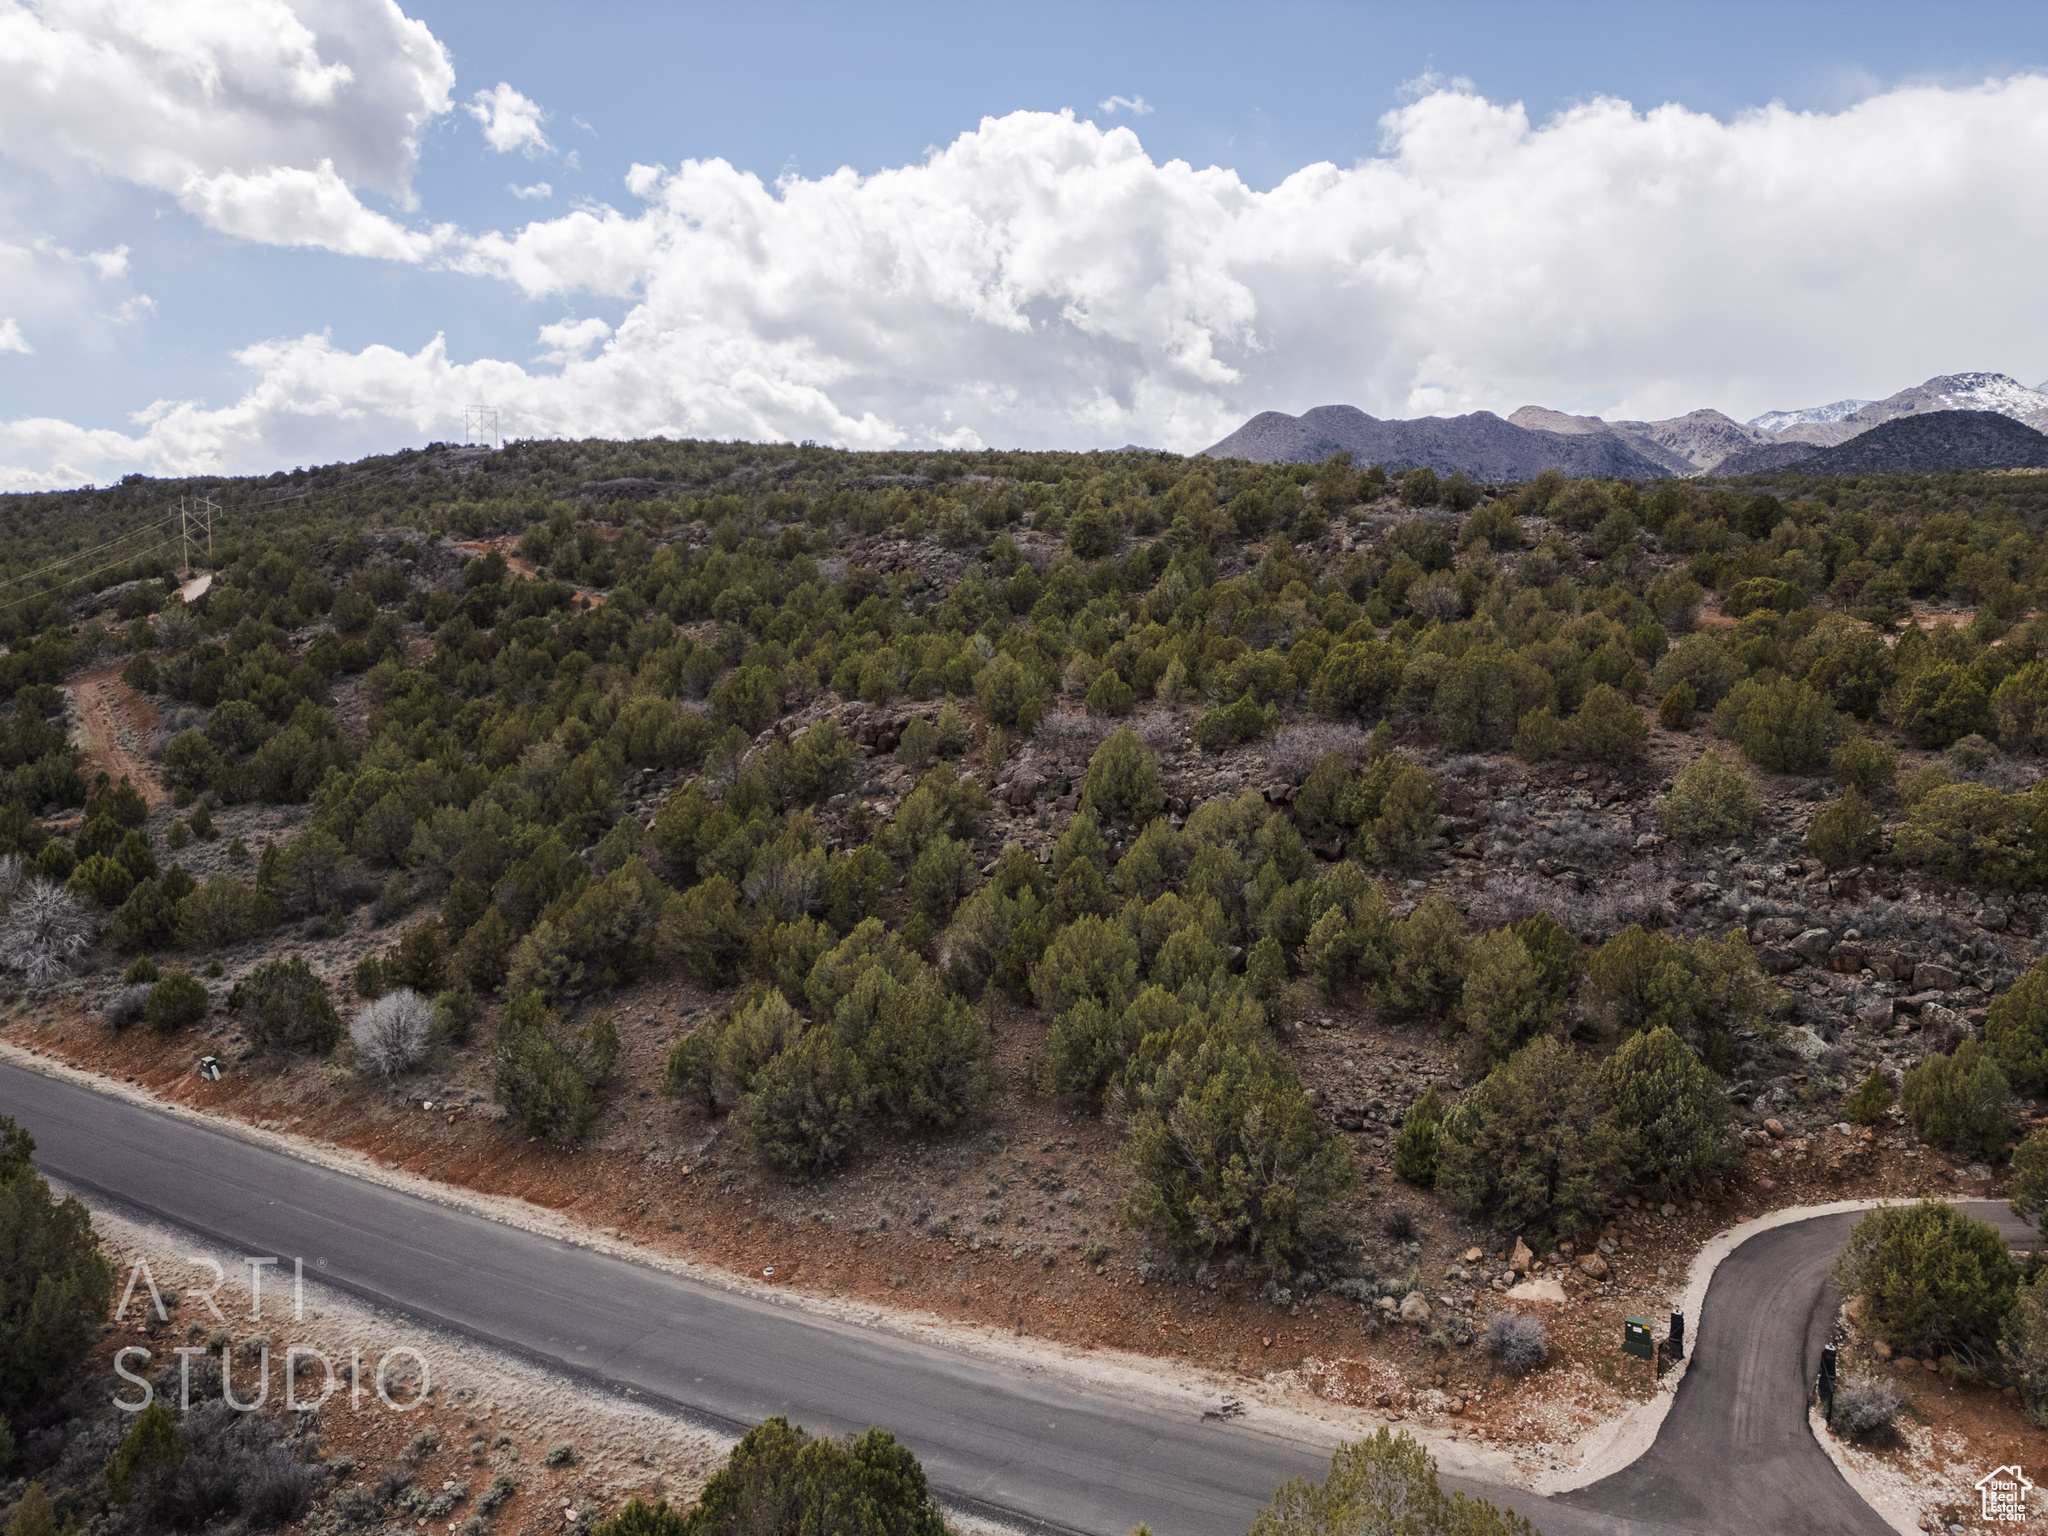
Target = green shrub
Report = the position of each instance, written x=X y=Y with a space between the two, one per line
x=1700 y=661
x=282 y=1003
x=1356 y=678
x=1844 y=833
x=1710 y=800
x=548 y=1073
x=1009 y=695
x=1940 y=703
x=1779 y=724
x=2028 y=1180
x=1222 y=727
x=1666 y=1110
x=1415 y=1150
x=1962 y=1102
x=1606 y=729
x=177 y=1002
x=1110 y=695
x=1873 y=1096
x=1523 y=1149
x=1869 y=767
x=806 y=1106
x=55 y=1286
x=1932 y=1281
x=778 y=1479
x=1226 y=1151
x=1385 y=1483
x=419 y=960
x=1539 y=737
x=1122 y=781
x=1426 y=960
x=1971 y=835
x=1676 y=710
x=1503 y=1004
x=2023 y=1349
x=1640 y=981
x=2016 y=1031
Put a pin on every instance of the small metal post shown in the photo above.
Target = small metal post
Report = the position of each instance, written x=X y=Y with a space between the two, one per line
x=1677 y=1336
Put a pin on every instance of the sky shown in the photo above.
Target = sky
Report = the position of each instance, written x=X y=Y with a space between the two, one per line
x=243 y=235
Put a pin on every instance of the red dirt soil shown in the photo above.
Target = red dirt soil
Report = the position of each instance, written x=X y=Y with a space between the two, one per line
x=108 y=708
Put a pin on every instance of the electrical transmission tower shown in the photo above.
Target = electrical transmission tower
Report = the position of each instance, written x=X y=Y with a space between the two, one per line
x=481 y=421
x=195 y=517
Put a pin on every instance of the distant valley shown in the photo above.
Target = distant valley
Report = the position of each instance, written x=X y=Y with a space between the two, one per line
x=1703 y=442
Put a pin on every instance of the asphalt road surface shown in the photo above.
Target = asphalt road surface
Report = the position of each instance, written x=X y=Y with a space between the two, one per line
x=1734 y=1458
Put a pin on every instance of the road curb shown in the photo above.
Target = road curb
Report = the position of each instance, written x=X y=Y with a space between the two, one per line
x=1611 y=1447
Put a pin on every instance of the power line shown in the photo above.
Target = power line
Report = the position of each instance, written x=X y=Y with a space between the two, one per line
x=84 y=553
x=39 y=596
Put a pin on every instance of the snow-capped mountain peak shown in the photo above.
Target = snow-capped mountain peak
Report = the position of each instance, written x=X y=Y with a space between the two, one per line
x=1778 y=421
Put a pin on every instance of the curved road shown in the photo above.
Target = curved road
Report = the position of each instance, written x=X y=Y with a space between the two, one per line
x=1734 y=1457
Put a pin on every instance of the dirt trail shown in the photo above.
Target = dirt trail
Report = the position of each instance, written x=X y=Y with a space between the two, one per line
x=504 y=544
x=114 y=722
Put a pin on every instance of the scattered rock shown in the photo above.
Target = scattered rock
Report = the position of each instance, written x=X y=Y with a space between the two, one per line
x=1414 y=1310
x=1774 y=1128
x=1929 y=977
x=1521 y=1259
x=1550 y=1291
x=1594 y=1267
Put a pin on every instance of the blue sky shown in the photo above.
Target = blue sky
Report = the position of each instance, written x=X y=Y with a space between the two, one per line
x=797 y=91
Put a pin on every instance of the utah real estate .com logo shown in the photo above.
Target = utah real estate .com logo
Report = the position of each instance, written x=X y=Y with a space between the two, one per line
x=2003 y=1492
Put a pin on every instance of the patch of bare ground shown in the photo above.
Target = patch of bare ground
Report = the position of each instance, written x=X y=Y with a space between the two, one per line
x=1953 y=1430
x=114 y=726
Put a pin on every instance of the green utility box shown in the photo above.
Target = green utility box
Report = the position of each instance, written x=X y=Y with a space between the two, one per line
x=1636 y=1338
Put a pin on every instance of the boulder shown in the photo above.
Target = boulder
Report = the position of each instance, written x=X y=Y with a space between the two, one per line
x=1930 y=977
x=1414 y=1310
x=1539 y=1290
x=1813 y=945
x=1846 y=959
x=1875 y=1012
x=1520 y=1260
x=1774 y=1128
x=1594 y=1267
x=1474 y=1255
x=1776 y=960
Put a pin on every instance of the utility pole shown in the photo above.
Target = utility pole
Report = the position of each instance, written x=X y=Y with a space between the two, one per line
x=197 y=513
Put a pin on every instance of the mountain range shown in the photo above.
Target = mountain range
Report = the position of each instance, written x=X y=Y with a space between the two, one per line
x=1703 y=442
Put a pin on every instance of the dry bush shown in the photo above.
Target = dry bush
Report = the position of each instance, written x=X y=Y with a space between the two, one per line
x=1517 y=1341
x=1637 y=894
x=44 y=928
x=1867 y=1408
x=1298 y=748
x=391 y=1034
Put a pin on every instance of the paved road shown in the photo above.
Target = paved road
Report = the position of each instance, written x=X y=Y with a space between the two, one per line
x=1735 y=1457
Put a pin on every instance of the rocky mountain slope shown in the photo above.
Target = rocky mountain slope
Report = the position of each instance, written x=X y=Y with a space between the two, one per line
x=1535 y=437
x=1482 y=444
x=1937 y=443
x=1812 y=415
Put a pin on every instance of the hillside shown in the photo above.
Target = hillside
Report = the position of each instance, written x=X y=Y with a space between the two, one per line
x=1536 y=438
x=1484 y=446
x=868 y=867
x=1940 y=442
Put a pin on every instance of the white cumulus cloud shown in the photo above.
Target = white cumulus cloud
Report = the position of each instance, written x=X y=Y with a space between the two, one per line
x=534 y=193
x=510 y=121
x=254 y=114
x=1137 y=106
x=1043 y=281
x=11 y=339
